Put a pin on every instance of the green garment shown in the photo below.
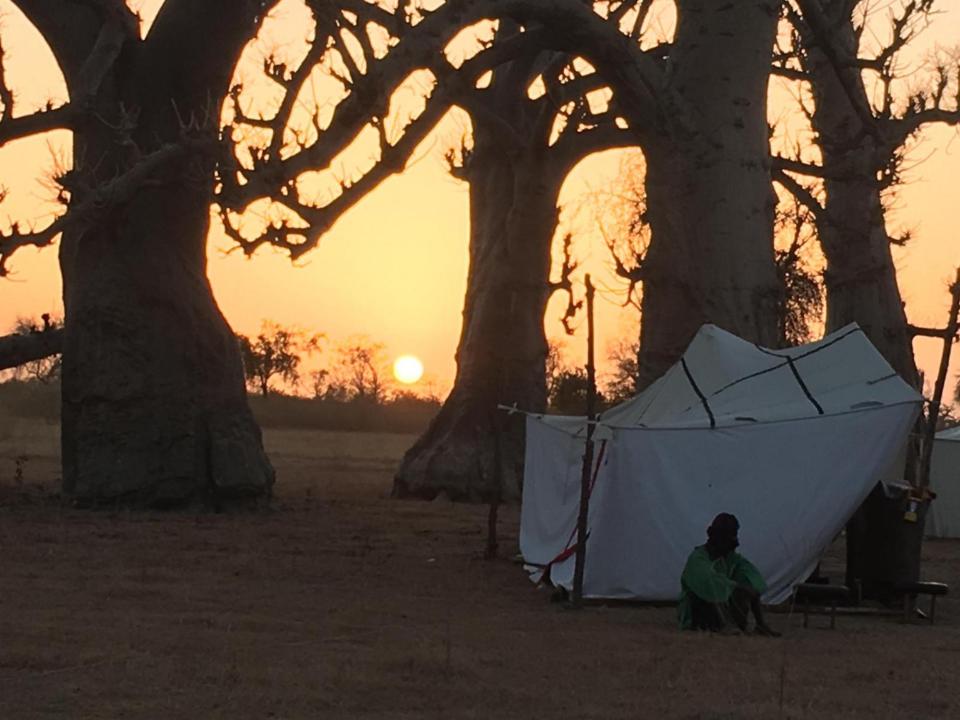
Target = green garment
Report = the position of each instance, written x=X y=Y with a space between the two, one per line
x=714 y=580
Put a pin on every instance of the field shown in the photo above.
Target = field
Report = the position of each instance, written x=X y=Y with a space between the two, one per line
x=342 y=603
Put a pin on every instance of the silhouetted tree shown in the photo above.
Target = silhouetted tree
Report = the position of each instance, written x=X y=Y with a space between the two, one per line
x=622 y=385
x=275 y=352
x=800 y=305
x=711 y=201
x=696 y=105
x=569 y=392
x=325 y=386
x=361 y=371
x=153 y=401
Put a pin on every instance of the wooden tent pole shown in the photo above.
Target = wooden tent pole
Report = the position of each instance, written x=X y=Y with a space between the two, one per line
x=587 y=454
x=949 y=335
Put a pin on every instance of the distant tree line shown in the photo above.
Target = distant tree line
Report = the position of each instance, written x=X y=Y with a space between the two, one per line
x=354 y=392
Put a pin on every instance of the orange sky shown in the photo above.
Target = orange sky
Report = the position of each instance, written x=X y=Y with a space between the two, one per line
x=394 y=268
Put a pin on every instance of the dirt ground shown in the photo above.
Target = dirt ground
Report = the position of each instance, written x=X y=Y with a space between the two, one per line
x=341 y=603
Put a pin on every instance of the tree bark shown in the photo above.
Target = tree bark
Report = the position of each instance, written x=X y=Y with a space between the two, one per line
x=154 y=408
x=20 y=349
x=710 y=201
x=154 y=402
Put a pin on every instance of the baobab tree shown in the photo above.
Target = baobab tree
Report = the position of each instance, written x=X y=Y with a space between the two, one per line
x=696 y=107
x=154 y=407
x=697 y=110
x=521 y=151
x=515 y=173
x=276 y=351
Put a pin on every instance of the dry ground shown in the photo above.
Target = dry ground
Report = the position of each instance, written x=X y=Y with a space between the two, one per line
x=341 y=603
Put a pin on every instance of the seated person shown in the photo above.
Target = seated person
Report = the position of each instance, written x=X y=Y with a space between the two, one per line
x=719 y=587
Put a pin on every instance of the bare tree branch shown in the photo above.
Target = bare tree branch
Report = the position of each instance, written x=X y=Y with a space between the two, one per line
x=565 y=284
x=64 y=117
x=779 y=162
x=573 y=147
x=789 y=73
x=18 y=349
x=802 y=194
x=6 y=94
x=300 y=238
x=102 y=198
x=821 y=31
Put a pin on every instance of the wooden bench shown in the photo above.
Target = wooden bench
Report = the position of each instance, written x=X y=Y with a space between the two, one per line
x=910 y=592
x=821 y=594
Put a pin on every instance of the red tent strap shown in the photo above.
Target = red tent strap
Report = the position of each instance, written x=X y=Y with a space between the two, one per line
x=571 y=547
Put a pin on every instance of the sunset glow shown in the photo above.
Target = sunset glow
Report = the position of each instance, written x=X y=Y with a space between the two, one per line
x=417 y=223
x=407 y=369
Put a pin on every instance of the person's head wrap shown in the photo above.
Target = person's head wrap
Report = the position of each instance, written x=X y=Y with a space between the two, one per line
x=724 y=527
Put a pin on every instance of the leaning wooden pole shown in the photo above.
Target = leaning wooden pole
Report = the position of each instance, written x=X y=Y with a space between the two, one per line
x=585 y=473
x=949 y=335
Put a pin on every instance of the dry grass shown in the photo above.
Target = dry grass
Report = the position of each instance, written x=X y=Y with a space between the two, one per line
x=341 y=603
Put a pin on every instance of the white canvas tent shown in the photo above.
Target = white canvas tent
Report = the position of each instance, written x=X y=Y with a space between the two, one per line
x=790 y=441
x=943 y=519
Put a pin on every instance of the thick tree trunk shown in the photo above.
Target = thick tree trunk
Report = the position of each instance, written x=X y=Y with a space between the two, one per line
x=710 y=200
x=502 y=349
x=154 y=402
x=860 y=277
x=20 y=349
x=154 y=408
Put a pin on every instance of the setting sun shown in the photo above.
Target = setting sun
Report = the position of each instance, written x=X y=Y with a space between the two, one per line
x=407 y=369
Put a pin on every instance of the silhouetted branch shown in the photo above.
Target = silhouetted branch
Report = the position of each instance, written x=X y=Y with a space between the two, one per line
x=369 y=97
x=641 y=18
x=927 y=106
x=565 y=284
x=917 y=331
x=789 y=73
x=63 y=117
x=117 y=25
x=315 y=220
x=19 y=349
x=801 y=193
x=821 y=31
x=6 y=94
x=779 y=162
x=102 y=198
x=572 y=147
